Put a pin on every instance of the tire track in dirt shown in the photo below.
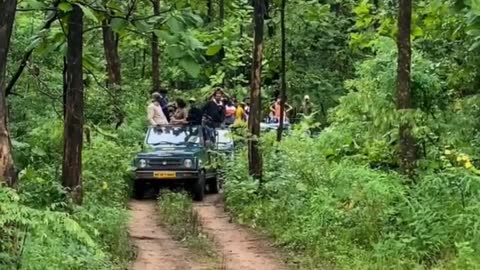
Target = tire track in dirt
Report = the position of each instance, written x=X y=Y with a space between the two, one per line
x=156 y=249
x=240 y=248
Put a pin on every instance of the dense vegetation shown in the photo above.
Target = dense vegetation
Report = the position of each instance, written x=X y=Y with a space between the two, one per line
x=342 y=198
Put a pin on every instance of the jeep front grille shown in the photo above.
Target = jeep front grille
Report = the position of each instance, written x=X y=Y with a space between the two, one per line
x=164 y=163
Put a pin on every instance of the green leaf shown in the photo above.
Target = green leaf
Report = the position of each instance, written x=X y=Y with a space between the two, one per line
x=417 y=31
x=193 y=42
x=174 y=25
x=35 y=4
x=213 y=49
x=39 y=152
x=88 y=12
x=190 y=66
x=175 y=51
x=65 y=7
x=142 y=26
x=118 y=24
x=165 y=36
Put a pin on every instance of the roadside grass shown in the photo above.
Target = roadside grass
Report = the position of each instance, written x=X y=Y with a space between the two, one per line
x=183 y=223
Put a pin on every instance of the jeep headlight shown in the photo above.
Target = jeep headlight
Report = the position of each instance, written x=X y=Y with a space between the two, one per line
x=142 y=163
x=188 y=163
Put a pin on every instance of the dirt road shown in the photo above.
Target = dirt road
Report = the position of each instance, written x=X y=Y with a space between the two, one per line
x=156 y=249
x=242 y=250
x=239 y=249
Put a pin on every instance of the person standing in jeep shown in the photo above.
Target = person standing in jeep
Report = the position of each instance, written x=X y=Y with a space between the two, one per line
x=214 y=110
x=163 y=100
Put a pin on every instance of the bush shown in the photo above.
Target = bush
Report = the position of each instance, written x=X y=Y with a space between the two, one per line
x=355 y=217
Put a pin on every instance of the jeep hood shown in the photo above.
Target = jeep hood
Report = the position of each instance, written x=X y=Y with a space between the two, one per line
x=165 y=151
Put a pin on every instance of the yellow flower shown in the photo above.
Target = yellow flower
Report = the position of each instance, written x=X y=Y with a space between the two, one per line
x=468 y=165
x=459 y=158
x=104 y=185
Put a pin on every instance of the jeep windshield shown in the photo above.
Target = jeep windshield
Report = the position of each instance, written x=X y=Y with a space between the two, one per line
x=173 y=135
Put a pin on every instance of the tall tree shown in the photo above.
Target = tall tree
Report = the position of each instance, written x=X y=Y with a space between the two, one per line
x=404 y=92
x=7 y=17
x=110 y=45
x=73 y=126
x=221 y=11
x=254 y=154
x=283 y=86
x=155 y=51
x=210 y=11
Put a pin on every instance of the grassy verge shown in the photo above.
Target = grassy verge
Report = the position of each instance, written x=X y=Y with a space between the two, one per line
x=177 y=215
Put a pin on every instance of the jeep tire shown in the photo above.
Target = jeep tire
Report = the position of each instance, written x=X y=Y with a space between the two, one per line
x=139 y=189
x=198 y=187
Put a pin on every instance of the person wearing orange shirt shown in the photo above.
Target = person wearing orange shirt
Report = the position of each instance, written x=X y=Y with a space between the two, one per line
x=275 y=110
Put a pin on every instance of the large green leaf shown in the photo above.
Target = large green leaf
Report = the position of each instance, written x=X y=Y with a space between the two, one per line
x=142 y=26
x=35 y=4
x=190 y=66
x=175 y=51
x=175 y=25
x=213 y=49
x=88 y=12
x=118 y=24
x=165 y=36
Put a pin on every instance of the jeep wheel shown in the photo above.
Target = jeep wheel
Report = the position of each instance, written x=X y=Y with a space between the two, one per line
x=139 y=190
x=198 y=187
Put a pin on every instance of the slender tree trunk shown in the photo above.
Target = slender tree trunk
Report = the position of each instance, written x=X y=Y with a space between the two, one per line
x=283 y=86
x=210 y=11
x=7 y=17
x=73 y=127
x=254 y=154
x=404 y=95
x=155 y=51
x=221 y=11
x=144 y=58
x=114 y=82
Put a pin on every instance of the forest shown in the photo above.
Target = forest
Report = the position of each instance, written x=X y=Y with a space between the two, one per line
x=384 y=174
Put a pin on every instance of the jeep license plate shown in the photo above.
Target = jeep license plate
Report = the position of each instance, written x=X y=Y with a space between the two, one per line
x=162 y=175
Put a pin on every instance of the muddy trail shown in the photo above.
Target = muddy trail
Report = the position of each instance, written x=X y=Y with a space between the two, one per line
x=238 y=248
x=156 y=250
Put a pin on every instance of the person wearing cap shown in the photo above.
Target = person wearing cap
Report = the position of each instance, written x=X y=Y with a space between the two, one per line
x=194 y=113
x=306 y=106
x=155 y=113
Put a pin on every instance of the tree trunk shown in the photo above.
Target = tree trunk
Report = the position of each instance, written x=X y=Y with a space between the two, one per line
x=283 y=86
x=210 y=11
x=155 y=51
x=73 y=127
x=114 y=82
x=7 y=17
x=221 y=11
x=254 y=154
x=404 y=95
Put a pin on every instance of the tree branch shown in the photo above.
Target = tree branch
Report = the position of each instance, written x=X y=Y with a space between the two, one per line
x=27 y=54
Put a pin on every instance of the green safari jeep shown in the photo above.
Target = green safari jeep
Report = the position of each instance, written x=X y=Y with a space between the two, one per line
x=176 y=156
